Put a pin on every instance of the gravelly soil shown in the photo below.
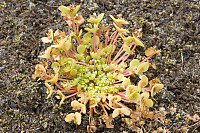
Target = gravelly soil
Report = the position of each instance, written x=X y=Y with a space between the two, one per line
x=173 y=26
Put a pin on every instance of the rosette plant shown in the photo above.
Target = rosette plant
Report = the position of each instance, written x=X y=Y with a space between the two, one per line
x=85 y=64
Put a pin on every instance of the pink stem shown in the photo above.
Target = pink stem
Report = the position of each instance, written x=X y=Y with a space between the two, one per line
x=130 y=53
x=51 y=60
x=113 y=36
x=109 y=105
x=72 y=95
x=112 y=47
x=147 y=58
x=122 y=105
x=82 y=63
x=106 y=41
x=104 y=109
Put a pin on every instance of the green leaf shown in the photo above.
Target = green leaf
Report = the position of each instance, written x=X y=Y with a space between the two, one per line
x=127 y=49
x=64 y=43
x=61 y=43
x=143 y=82
x=142 y=68
x=156 y=88
x=63 y=60
x=147 y=103
x=120 y=77
x=75 y=10
x=134 y=64
x=54 y=79
x=138 y=42
x=127 y=40
x=130 y=89
x=112 y=49
x=68 y=10
x=65 y=68
x=93 y=30
x=134 y=97
x=71 y=62
x=68 y=43
x=49 y=89
x=100 y=52
x=73 y=72
x=144 y=95
x=87 y=58
x=119 y=21
x=121 y=30
x=126 y=82
x=92 y=77
x=80 y=56
x=47 y=53
x=96 y=20
x=107 y=49
x=95 y=55
x=56 y=67
x=86 y=39
x=65 y=10
x=96 y=41
x=81 y=49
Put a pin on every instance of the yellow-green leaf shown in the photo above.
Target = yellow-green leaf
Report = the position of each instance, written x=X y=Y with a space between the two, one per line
x=56 y=67
x=156 y=88
x=138 y=42
x=121 y=30
x=73 y=72
x=126 y=48
x=96 y=20
x=142 y=68
x=47 y=53
x=81 y=49
x=134 y=97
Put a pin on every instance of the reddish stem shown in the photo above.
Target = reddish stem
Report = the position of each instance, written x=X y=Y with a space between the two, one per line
x=99 y=31
x=82 y=63
x=122 y=105
x=69 y=91
x=147 y=58
x=130 y=53
x=59 y=86
x=118 y=54
x=121 y=58
x=113 y=37
x=94 y=34
x=95 y=110
x=110 y=106
x=69 y=30
x=91 y=112
x=109 y=56
x=128 y=74
x=104 y=109
x=106 y=41
x=51 y=60
x=49 y=71
x=58 y=78
x=72 y=95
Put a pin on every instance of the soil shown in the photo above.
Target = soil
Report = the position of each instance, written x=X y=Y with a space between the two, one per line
x=171 y=25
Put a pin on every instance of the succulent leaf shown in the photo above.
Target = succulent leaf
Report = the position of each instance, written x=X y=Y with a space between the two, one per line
x=47 y=53
x=56 y=67
x=142 y=68
x=134 y=97
x=127 y=49
x=96 y=20
x=81 y=49
x=156 y=88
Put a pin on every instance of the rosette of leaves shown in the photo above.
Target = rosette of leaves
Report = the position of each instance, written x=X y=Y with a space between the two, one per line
x=81 y=65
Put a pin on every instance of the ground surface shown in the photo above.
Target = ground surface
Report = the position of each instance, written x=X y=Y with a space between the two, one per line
x=171 y=25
